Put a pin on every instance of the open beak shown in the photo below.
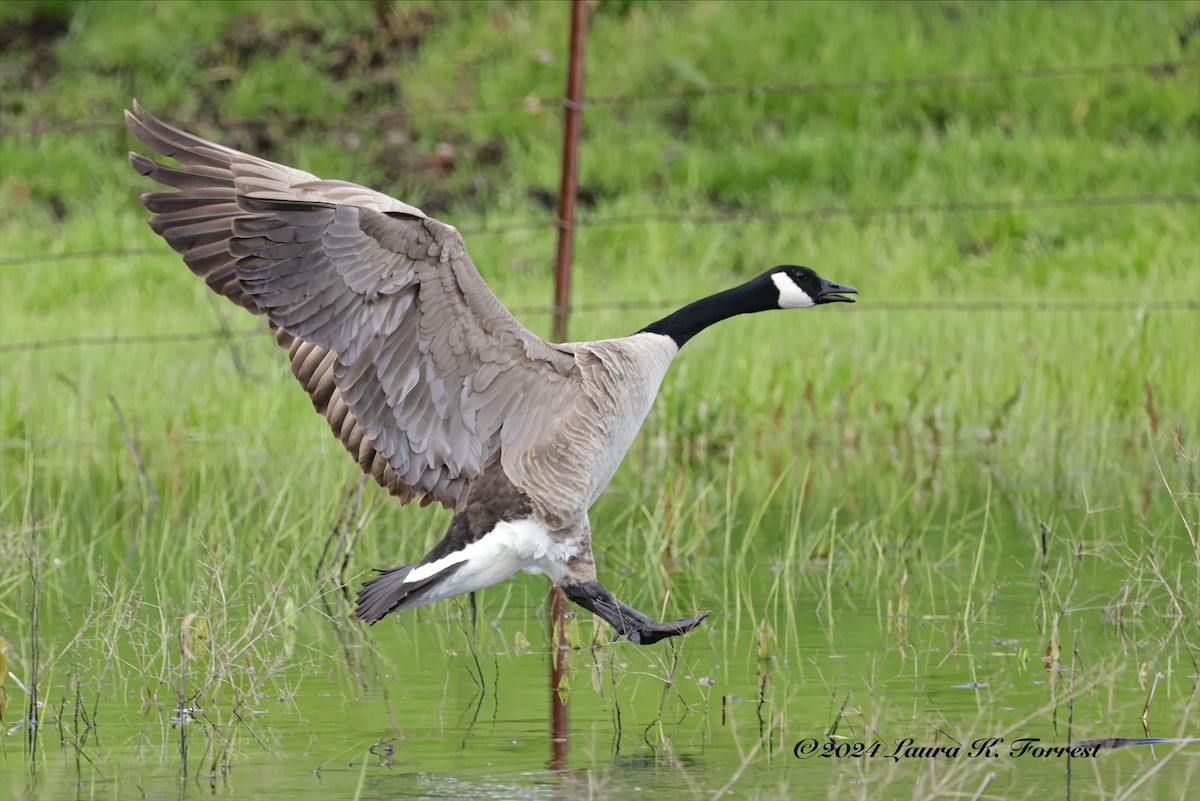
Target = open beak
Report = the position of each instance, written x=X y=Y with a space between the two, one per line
x=835 y=293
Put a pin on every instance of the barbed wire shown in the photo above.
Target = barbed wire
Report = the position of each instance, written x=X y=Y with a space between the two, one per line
x=81 y=255
x=130 y=339
x=533 y=103
x=901 y=210
x=895 y=306
x=1156 y=69
x=725 y=218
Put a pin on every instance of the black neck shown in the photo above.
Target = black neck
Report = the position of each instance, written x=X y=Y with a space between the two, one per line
x=693 y=318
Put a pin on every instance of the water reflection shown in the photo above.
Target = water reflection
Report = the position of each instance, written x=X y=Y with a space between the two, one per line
x=559 y=694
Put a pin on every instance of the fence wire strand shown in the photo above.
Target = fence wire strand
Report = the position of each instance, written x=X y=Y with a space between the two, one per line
x=899 y=306
x=799 y=215
x=1156 y=69
x=533 y=103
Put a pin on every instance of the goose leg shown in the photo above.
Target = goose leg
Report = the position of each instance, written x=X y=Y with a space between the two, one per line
x=628 y=622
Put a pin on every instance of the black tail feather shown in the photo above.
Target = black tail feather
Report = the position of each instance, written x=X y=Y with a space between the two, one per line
x=388 y=592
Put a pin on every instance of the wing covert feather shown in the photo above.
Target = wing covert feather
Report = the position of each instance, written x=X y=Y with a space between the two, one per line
x=421 y=372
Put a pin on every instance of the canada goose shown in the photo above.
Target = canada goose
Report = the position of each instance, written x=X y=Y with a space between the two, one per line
x=427 y=380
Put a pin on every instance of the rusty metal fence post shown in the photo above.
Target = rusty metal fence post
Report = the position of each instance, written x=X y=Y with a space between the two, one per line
x=572 y=121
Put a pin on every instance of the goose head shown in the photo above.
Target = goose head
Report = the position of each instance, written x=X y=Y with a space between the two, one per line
x=785 y=287
x=800 y=287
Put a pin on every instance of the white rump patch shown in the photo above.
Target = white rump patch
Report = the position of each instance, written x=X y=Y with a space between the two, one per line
x=791 y=296
x=511 y=546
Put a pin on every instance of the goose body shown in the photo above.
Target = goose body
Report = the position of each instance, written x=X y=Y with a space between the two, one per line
x=434 y=388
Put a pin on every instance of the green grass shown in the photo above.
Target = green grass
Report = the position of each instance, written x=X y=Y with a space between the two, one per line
x=858 y=492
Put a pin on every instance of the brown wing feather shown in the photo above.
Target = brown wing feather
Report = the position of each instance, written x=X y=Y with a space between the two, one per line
x=415 y=364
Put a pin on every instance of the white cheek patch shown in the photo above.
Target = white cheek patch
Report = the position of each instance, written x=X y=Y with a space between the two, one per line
x=791 y=296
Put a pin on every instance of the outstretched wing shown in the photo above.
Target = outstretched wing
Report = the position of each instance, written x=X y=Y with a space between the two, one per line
x=421 y=372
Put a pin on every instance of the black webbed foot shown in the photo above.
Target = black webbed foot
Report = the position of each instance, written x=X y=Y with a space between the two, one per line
x=628 y=622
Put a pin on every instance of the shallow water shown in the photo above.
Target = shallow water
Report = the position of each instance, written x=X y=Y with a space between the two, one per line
x=425 y=706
